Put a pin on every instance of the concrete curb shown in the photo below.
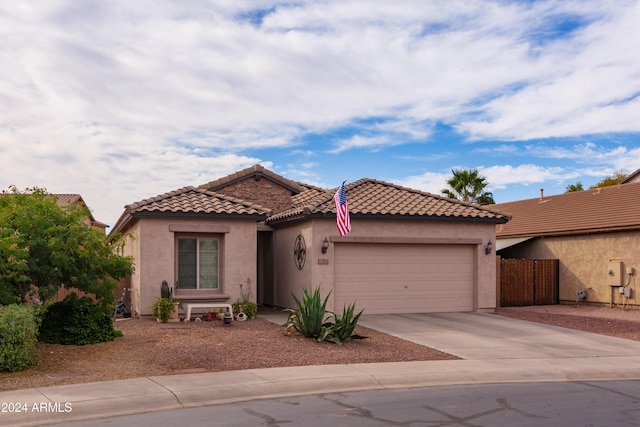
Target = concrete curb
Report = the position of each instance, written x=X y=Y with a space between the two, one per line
x=107 y=399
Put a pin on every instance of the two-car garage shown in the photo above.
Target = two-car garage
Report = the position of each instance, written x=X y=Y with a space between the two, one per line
x=404 y=278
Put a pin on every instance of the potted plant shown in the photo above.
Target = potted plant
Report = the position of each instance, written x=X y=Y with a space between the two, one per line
x=173 y=316
x=165 y=308
x=243 y=307
x=162 y=309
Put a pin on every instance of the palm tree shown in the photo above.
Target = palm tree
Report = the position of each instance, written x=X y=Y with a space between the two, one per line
x=467 y=185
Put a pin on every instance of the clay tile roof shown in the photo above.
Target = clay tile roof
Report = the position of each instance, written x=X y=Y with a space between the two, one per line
x=255 y=171
x=69 y=199
x=190 y=201
x=196 y=201
x=306 y=197
x=373 y=198
x=596 y=210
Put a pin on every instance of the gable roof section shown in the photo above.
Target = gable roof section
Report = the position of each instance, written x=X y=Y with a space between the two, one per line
x=257 y=172
x=603 y=209
x=191 y=202
x=370 y=198
x=63 y=200
x=633 y=177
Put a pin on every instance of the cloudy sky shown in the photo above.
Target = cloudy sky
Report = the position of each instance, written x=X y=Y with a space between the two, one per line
x=122 y=100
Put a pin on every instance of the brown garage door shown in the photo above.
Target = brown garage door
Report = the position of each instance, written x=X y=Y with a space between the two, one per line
x=396 y=278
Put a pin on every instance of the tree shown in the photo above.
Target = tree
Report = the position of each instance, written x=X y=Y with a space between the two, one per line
x=608 y=181
x=468 y=186
x=571 y=188
x=48 y=246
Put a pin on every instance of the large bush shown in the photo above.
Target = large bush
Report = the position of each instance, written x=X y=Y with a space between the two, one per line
x=78 y=321
x=18 y=336
x=48 y=246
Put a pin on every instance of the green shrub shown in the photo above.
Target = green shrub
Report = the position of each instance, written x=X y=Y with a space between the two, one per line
x=345 y=325
x=18 y=336
x=247 y=307
x=310 y=318
x=162 y=309
x=78 y=321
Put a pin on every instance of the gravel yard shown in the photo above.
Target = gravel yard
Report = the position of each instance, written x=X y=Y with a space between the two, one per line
x=149 y=348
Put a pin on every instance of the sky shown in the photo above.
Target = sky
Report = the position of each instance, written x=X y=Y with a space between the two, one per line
x=123 y=100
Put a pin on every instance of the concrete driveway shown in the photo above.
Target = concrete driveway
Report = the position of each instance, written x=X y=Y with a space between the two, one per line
x=481 y=336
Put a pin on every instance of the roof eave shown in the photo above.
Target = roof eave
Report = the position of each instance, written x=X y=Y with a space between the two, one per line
x=198 y=215
x=392 y=217
x=120 y=225
x=569 y=232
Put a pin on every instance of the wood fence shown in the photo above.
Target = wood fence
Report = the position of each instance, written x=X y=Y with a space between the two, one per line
x=529 y=282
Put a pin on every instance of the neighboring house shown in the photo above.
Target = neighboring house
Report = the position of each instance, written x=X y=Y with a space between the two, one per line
x=258 y=233
x=633 y=177
x=595 y=235
x=72 y=199
x=76 y=199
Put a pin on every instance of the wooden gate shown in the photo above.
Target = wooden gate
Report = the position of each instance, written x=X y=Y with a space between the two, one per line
x=529 y=282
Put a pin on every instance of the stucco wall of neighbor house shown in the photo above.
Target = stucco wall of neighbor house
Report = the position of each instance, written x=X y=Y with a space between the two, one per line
x=319 y=268
x=263 y=192
x=584 y=261
x=155 y=258
x=131 y=248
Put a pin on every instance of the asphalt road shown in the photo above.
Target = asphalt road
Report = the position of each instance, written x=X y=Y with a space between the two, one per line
x=591 y=403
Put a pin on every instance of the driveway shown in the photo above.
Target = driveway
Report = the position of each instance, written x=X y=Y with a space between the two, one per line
x=481 y=336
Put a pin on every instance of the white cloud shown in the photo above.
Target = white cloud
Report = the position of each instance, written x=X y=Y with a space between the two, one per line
x=123 y=100
x=357 y=141
x=585 y=85
x=500 y=176
x=431 y=182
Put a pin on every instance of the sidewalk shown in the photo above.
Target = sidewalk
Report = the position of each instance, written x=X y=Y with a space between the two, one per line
x=495 y=350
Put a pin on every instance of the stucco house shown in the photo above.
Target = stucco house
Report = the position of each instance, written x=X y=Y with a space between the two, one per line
x=258 y=233
x=76 y=199
x=595 y=235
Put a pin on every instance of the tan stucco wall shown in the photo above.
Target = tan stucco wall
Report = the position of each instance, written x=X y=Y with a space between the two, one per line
x=153 y=248
x=131 y=248
x=290 y=279
x=584 y=261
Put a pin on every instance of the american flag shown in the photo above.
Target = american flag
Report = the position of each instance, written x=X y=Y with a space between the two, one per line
x=342 y=211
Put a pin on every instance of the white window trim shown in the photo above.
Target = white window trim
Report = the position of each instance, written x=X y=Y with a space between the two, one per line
x=198 y=290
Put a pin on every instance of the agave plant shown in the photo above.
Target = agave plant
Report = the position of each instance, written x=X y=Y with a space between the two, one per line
x=310 y=318
x=345 y=326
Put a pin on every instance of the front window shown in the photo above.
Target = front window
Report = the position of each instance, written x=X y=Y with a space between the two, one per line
x=198 y=263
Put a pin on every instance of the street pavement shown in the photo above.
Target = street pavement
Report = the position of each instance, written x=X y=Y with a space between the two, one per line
x=494 y=349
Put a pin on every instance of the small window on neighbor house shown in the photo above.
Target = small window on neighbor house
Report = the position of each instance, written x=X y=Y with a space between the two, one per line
x=198 y=263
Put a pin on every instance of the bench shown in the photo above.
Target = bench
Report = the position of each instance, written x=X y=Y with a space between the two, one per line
x=188 y=306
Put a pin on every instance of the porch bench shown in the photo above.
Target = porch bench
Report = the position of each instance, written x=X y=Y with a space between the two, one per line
x=189 y=305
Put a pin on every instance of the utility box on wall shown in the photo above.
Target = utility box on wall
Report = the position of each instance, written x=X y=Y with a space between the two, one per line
x=616 y=270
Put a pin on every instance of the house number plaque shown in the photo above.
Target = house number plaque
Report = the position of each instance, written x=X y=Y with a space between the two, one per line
x=299 y=252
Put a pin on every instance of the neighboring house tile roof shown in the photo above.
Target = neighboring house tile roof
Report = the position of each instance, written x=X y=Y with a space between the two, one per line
x=69 y=199
x=379 y=199
x=596 y=210
x=193 y=202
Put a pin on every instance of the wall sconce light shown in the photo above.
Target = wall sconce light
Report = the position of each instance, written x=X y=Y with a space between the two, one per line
x=325 y=245
x=488 y=248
